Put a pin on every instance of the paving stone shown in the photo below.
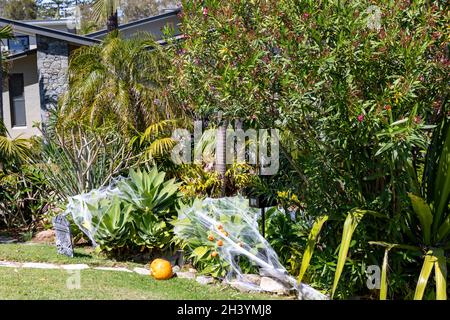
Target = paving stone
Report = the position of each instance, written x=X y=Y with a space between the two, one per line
x=8 y=264
x=33 y=265
x=176 y=269
x=142 y=271
x=6 y=240
x=75 y=267
x=242 y=287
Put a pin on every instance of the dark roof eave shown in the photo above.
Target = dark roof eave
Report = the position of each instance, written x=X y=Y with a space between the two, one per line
x=56 y=34
x=20 y=55
x=136 y=23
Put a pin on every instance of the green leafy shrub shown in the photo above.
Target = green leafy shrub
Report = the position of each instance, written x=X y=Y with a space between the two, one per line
x=135 y=216
x=355 y=105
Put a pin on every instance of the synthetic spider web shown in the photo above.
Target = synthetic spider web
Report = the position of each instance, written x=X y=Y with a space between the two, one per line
x=234 y=224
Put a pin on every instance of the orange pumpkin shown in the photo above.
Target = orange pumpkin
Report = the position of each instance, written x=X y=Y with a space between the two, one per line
x=220 y=243
x=214 y=254
x=161 y=269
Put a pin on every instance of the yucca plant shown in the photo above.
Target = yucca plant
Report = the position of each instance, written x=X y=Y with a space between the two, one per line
x=430 y=221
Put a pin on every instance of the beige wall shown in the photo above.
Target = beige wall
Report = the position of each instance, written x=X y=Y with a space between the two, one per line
x=27 y=66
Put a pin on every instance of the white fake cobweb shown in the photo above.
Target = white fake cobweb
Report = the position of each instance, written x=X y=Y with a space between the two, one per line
x=232 y=221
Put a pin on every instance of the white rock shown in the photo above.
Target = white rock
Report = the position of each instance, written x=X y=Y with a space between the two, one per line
x=186 y=275
x=252 y=278
x=273 y=286
x=113 y=269
x=142 y=271
x=75 y=267
x=204 y=280
x=33 y=265
x=176 y=269
x=7 y=264
x=242 y=287
x=192 y=270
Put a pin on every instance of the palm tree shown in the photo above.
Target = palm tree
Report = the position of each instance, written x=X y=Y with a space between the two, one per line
x=5 y=33
x=12 y=151
x=121 y=82
x=107 y=9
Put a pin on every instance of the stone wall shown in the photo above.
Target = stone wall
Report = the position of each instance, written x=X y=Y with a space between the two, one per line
x=52 y=60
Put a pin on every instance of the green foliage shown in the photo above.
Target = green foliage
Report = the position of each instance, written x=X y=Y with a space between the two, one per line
x=355 y=106
x=200 y=242
x=122 y=81
x=24 y=197
x=139 y=218
x=80 y=158
x=20 y=10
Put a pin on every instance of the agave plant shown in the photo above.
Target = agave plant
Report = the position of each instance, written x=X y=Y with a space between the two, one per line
x=152 y=200
x=149 y=193
x=115 y=225
x=133 y=214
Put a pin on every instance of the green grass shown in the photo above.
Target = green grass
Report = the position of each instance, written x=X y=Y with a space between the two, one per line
x=46 y=253
x=34 y=284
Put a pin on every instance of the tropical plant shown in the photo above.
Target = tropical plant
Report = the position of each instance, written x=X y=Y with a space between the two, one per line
x=354 y=104
x=429 y=226
x=13 y=151
x=122 y=81
x=138 y=217
x=107 y=10
x=78 y=159
x=24 y=197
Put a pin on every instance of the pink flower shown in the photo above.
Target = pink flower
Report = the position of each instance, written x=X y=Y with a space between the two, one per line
x=417 y=120
x=305 y=16
x=205 y=11
x=361 y=118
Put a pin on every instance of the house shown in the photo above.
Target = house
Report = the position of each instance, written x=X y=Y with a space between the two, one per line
x=38 y=58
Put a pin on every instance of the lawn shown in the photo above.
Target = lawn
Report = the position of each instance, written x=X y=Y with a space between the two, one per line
x=96 y=284
x=33 y=284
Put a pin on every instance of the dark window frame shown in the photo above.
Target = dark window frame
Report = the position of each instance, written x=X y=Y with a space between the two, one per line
x=16 y=88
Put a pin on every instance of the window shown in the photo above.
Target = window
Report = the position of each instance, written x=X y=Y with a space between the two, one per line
x=17 y=100
x=19 y=44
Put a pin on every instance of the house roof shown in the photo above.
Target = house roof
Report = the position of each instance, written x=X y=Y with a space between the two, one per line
x=19 y=55
x=43 y=31
x=138 y=23
x=35 y=27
